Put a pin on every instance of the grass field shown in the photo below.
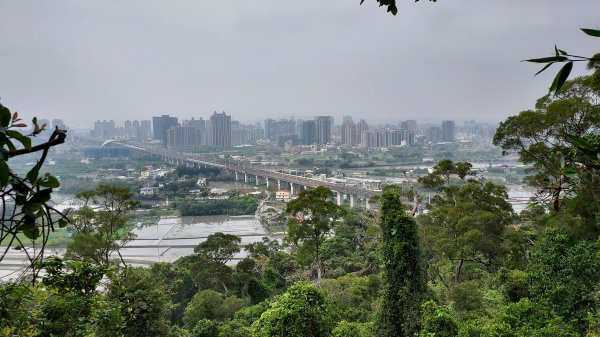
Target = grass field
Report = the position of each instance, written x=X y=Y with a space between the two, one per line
x=59 y=238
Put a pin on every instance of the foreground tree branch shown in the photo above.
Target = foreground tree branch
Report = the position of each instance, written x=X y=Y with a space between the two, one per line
x=58 y=137
x=25 y=200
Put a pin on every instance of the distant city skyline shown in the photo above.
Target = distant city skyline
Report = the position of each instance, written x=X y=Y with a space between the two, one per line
x=222 y=131
x=337 y=122
x=129 y=123
x=81 y=61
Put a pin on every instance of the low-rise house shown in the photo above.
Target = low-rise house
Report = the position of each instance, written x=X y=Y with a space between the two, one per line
x=148 y=190
x=283 y=195
x=148 y=174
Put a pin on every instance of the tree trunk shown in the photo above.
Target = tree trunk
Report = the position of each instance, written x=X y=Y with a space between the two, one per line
x=459 y=269
x=415 y=195
x=318 y=262
x=122 y=260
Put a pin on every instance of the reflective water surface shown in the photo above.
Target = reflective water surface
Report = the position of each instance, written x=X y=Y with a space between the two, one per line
x=174 y=237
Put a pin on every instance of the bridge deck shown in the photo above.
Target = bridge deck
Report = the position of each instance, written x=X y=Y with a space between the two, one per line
x=270 y=174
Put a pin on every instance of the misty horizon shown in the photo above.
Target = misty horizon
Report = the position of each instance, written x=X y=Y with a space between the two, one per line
x=86 y=61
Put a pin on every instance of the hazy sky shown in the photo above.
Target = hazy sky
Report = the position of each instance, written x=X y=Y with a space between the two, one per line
x=84 y=60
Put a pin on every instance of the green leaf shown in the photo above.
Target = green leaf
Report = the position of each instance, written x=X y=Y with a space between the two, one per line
x=41 y=196
x=62 y=223
x=561 y=77
x=32 y=175
x=20 y=199
x=26 y=141
x=545 y=67
x=5 y=116
x=30 y=208
x=11 y=146
x=31 y=231
x=393 y=9
x=580 y=142
x=4 y=173
x=548 y=59
x=569 y=170
x=3 y=153
x=40 y=213
x=591 y=32
x=21 y=187
x=49 y=181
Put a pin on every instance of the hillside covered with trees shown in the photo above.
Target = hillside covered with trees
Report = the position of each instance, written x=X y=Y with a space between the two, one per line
x=468 y=266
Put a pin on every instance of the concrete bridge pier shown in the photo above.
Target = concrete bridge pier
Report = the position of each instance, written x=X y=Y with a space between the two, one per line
x=367 y=206
x=352 y=200
x=267 y=181
x=237 y=176
x=256 y=180
x=246 y=177
x=340 y=198
x=278 y=184
x=292 y=191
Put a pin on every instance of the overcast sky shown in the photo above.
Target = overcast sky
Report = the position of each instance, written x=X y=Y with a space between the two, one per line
x=85 y=60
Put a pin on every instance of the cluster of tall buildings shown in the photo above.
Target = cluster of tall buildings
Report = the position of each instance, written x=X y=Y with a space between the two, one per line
x=444 y=134
x=137 y=130
x=220 y=131
x=299 y=132
x=215 y=132
x=359 y=135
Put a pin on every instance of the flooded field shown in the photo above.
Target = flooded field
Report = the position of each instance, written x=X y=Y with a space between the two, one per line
x=519 y=196
x=174 y=237
x=168 y=240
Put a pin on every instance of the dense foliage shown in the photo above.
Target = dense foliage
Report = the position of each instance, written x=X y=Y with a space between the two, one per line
x=312 y=218
x=231 y=206
x=101 y=224
x=403 y=278
x=26 y=208
x=302 y=311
